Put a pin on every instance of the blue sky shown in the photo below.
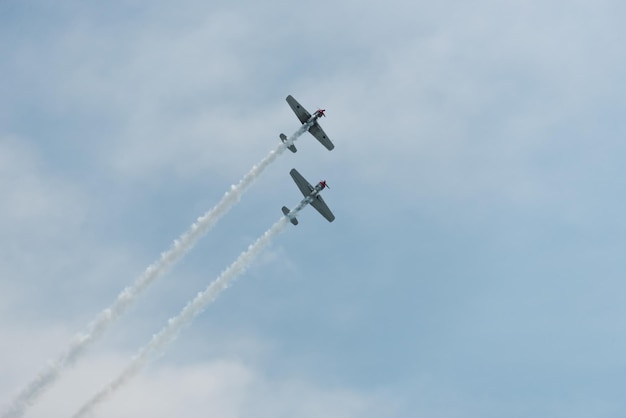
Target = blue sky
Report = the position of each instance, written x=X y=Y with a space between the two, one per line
x=475 y=268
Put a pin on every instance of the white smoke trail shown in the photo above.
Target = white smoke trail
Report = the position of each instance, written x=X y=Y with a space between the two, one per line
x=125 y=299
x=169 y=333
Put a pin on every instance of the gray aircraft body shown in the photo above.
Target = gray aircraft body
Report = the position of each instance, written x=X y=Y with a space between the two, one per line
x=311 y=121
x=311 y=196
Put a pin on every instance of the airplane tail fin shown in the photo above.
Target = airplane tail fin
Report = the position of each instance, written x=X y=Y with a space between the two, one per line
x=286 y=213
x=291 y=147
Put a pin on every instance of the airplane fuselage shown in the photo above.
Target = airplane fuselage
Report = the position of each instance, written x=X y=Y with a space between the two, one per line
x=308 y=199
x=314 y=117
x=290 y=214
x=304 y=128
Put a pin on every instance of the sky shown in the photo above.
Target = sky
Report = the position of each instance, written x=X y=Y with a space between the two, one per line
x=475 y=266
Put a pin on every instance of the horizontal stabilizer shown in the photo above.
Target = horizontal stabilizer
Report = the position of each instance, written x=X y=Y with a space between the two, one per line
x=291 y=218
x=291 y=147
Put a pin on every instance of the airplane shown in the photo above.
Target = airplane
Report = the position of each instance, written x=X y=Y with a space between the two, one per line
x=311 y=120
x=311 y=195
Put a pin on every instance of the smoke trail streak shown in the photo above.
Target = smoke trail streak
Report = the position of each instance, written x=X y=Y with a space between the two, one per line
x=125 y=299
x=169 y=333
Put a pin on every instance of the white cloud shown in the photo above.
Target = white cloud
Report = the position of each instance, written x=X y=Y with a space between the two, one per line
x=510 y=111
x=33 y=200
x=226 y=387
x=40 y=212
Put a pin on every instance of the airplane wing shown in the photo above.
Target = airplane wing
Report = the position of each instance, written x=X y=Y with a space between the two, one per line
x=319 y=204
x=301 y=182
x=300 y=112
x=317 y=131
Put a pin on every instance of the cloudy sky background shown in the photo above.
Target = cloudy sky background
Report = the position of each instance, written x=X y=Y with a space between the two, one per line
x=475 y=268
